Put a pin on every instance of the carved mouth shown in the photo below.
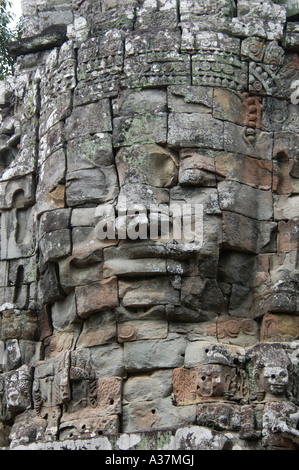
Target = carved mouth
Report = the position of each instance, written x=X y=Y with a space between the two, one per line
x=278 y=388
x=148 y=259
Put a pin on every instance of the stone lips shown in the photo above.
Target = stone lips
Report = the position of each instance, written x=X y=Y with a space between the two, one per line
x=117 y=103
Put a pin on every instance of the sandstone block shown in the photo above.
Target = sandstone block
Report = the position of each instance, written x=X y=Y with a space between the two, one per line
x=195 y=130
x=190 y=99
x=285 y=207
x=246 y=170
x=148 y=387
x=17 y=193
x=12 y=355
x=122 y=267
x=235 y=330
x=102 y=57
x=143 y=128
x=80 y=425
x=237 y=268
x=19 y=390
x=273 y=412
x=151 y=355
x=49 y=285
x=205 y=383
x=139 y=330
x=57 y=220
x=50 y=191
x=202 y=439
x=87 y=152
x=64 y=313
x=279 y=327
x=86 y=244
x=17 y=234
x=180 y=315
x=229 y=106
x=221 y=417
x=208 y=197
x=71 y=276
x=83 y=217
x=108 y=360
x=151 y=164
x=223 y=8
x=153 y=59
x=245 y=200
x=97 y=296
x=161 y=16
x=80 y=268
x=57 y=110
x=57 y=344
x=147 y=314
x=242 y=233
x=141 y=195
x=219 y=70
x=203 y=295
x=147 y=293
x=109 y=393
x=156 y=414
x=113 y=15
x=55 y=245
x=236 y=141
x=240 y=303
x=209 y=352
x=97 y=330
x=141 y=102
x=95 y=186
x=288 y=235
x=89 y=119
x=31 y=352
x=196 y=169
x=285 y=142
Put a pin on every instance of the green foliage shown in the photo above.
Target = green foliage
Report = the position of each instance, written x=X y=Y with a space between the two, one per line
x=7 y=35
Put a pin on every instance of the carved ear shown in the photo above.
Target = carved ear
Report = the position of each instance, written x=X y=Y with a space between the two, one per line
x=259 y=382
x=258 y=368
x=257 y=377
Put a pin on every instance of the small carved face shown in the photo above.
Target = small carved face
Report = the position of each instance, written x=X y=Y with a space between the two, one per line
x=210 y=382
x=276 y=380
x=18 y=391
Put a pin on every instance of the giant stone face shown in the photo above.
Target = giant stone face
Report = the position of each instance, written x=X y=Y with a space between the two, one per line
x=149 y=227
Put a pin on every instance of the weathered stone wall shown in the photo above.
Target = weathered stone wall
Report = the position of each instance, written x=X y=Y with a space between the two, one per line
x=150 y=102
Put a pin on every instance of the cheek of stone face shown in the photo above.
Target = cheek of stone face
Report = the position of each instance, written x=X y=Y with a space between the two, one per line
x=209 y=386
